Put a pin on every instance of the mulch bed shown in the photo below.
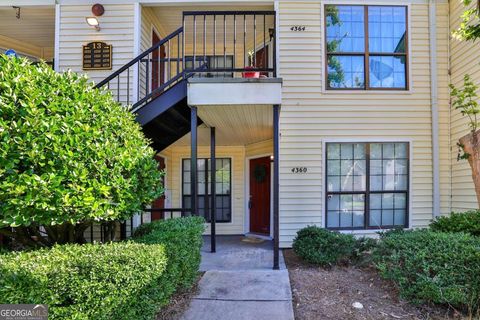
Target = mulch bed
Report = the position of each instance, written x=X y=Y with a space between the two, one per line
x=330 y=294
x=179 y=302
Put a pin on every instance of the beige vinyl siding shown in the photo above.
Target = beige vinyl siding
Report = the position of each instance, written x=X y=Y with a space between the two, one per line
x=311 y=116
x=174 y=181
x=463 y=60
x=443 y=79
x=117 y=25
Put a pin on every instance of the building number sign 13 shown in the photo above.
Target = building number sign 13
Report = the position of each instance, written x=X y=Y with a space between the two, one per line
x=299 y=170
x=297 y=28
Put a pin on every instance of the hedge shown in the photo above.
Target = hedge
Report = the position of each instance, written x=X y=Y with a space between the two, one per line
x=110 y=281
x=468 y=222
x=126 y=280
x=432 y=267
x=183 y=252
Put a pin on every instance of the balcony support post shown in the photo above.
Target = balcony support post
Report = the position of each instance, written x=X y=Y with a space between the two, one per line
x=193 y=161
x=213 y=170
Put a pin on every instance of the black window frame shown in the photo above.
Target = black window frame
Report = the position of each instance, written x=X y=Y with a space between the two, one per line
x=366 y=53
x=187 y=203
x=367 y=191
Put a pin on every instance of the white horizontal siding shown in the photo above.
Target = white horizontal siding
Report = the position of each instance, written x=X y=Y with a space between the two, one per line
x=463 y=61
x=117 y=25
x=310 y=116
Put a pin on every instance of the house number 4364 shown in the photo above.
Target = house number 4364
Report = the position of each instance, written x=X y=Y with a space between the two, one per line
x=297 y=28
x=299 y=170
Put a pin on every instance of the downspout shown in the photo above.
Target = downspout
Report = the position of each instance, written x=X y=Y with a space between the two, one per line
x=432 y=16
x=56 y=53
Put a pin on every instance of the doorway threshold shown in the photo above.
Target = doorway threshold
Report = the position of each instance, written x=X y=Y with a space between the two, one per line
x=259 y=236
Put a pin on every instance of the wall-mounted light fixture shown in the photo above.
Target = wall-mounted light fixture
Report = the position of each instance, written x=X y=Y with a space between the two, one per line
x=93 y=22
x=17 y=11
x=97 y=10
x=271 y=33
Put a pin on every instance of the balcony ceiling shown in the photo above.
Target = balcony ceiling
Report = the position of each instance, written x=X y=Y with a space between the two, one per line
x=36 y=25
x=237 y=125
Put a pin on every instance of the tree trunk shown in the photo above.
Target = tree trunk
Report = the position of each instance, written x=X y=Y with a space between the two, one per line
x=470 y=144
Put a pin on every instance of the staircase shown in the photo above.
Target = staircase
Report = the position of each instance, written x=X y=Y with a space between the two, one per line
x=154 y=83
x=160 y=105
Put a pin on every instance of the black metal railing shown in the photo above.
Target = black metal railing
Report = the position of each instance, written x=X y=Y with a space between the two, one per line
x=98 y=231
x=208 y=44
x=156 y=69
x=229 y=42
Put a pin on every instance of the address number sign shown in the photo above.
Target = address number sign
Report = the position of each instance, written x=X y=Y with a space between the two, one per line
x=299 y=170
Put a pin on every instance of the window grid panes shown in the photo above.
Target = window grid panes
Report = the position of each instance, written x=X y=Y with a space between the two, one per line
x=366 y=47
x=367 y=185
x=222 y=188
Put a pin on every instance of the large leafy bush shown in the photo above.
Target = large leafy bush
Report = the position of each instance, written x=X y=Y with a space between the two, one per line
x=432 y=266
x=68 y=152
x=323 y=247
x=121 y=281
x=468 y=222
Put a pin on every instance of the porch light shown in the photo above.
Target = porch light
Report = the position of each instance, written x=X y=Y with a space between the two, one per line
x=271 y=33
x=271 y=158
x=93 y=22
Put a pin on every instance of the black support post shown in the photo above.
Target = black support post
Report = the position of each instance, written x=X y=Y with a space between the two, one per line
x=276 y=171
x=193 y=161
x=213 y=170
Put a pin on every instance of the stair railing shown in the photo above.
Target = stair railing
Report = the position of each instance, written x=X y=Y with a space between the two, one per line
x=157 y=69
x=217 y=44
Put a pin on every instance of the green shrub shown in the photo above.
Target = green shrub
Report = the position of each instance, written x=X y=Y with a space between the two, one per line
x=69 y=153
x=122 y=281
x=362 y=250
x=432 y=267
x=468 y=222
x=110 y=281
x=323 y=247
x=182 y=238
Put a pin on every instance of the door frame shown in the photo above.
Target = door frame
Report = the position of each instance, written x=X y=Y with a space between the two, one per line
x=246 y=227
x=153 y=29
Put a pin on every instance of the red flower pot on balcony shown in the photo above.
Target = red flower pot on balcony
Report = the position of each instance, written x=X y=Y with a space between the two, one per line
x=251 y=74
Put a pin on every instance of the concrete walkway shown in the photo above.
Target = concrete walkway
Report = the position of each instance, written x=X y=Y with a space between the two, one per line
x=239 y=283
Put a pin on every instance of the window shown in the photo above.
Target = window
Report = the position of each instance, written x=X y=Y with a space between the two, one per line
x=210 y=63
x=367 y=185
x=222 y=188
x=366 y=47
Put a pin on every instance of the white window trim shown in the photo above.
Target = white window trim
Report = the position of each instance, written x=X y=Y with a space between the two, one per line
x=324 y=51
x=367 y=140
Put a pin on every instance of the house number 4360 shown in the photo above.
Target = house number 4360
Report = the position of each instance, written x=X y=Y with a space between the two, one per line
x=299 y=170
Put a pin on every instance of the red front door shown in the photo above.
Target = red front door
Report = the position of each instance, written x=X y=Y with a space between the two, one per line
x=259 y=202
x=160 y=201
x=261 y=60
x=158 y=67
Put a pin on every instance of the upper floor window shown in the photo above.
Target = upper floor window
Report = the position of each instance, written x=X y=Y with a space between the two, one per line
x=366 y=47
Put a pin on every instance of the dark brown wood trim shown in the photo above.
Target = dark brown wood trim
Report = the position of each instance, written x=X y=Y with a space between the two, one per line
x=367 y=191
x=366 y=54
